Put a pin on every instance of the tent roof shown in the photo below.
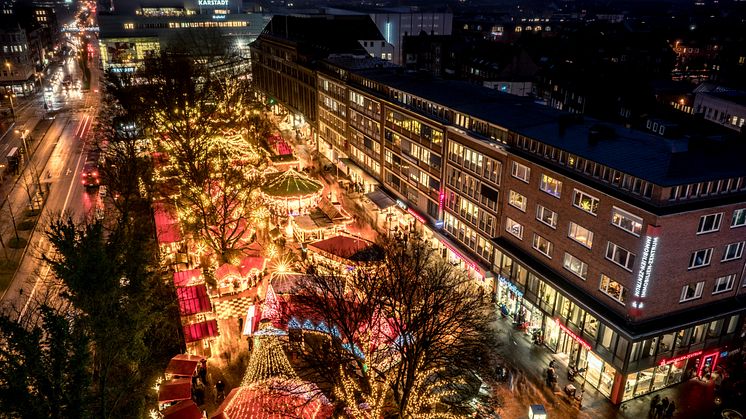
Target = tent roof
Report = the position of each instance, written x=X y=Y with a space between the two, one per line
x=251 y=262
x=350 y=248
x=290 y=183
x=193 y=300
x=183 y=278
x=199 y=331
x=225 y=270
x=260 y=402
x=173 y=390
x=185 y=409
x=183 y=364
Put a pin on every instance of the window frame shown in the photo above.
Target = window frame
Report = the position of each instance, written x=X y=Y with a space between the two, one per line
x=514 y=171
x=589 y=236
x=730 y=279
x=733 y=220
x=693 y=258
x=507 y=228
x=615 y=210
x=555 y=216
x=702 y=220
x=578 y=192
x=536 y=239
x=543 y=186
x=739 y=251
x=583 y=266
x=698 y=288
x=609 y=244
x=622 y=300
x=510 y=200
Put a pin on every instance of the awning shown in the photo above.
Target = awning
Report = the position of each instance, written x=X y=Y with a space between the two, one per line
x=183 y=365
x=184 y=278
x=185 y=409
x=193 y=300
x=199 y=331
x=175 y=390
x=353 y=167
x=381 y=200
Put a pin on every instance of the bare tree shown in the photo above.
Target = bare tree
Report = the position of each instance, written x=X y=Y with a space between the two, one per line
x=408 y=336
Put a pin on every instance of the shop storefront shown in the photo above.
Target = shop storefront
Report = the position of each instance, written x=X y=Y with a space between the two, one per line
x=508 y=297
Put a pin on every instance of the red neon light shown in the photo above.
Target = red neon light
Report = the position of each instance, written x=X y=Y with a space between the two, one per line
x=573 y=335
x=716 y=354
x=679 y=358
x=416 y=216
x=441 y=199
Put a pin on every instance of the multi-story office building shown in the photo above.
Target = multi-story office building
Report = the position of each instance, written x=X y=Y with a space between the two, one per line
x=127 y=37
x=624 y=249
x=17 y=59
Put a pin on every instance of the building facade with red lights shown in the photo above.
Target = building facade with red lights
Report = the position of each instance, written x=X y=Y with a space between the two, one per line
x=623 y=250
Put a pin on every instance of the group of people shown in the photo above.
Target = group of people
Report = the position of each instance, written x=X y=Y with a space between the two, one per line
x=660 y=409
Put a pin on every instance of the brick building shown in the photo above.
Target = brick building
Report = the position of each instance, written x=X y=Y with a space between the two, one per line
x=623 y=249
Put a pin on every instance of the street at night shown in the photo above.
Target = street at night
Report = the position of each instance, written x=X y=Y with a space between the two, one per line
x=491 y=209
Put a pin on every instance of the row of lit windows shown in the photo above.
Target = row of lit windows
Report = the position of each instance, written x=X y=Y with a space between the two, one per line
x=597 y=170
x=471 y=212
x=415 y=126
x=472 y=160
x=704 y=189
x=481 y=246
x=472 y=187
x=180 y=25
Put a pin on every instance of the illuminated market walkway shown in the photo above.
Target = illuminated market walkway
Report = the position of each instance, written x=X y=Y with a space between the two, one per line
x=694 y=398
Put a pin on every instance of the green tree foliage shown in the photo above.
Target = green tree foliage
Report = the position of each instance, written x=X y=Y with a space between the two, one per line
x=125 y=307
x=45 y=367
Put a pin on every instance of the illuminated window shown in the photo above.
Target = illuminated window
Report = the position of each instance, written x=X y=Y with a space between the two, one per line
x=521 y=172
x=550 y=185
x=613 y=289
x=517 y=200
x=580 y=234
x=542 y=245
x=514 y=228
x=575 y=265
x=626 y=221
x=546 y=216
x=585 y=202
x=129 y=26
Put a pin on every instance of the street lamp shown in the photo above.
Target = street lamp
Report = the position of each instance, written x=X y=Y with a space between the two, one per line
x=10 y=94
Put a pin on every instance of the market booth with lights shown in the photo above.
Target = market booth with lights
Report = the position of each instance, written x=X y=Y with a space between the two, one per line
x=619 y=364
x=291 y=193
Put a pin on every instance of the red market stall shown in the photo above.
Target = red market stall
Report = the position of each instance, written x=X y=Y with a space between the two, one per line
x=187 y=278
x=193 y=300
x=185 y=409
x=183 y=366
x=173 y=391
x=199 y=331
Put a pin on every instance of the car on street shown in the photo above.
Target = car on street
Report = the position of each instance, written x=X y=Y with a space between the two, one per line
x=90 y=176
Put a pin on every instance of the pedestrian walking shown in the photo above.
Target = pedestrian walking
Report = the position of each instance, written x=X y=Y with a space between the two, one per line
x=654 y=404
x=664 y=404
x=670 y=409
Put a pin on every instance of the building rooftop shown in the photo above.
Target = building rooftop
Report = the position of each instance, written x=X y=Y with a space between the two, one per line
x=325 y=34
x=666 y=162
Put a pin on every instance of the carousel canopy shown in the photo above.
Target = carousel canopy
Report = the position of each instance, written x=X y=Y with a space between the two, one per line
x=291 y=183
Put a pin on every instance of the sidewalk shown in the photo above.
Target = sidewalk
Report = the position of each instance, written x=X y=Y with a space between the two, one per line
x=694 y=399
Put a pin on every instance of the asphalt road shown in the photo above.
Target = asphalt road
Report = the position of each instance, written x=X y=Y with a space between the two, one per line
x=56 y=164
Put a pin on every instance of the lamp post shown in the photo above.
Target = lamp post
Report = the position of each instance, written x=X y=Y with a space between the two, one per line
x=10 y=94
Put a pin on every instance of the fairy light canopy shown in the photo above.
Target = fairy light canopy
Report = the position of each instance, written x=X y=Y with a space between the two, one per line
x=291 y=192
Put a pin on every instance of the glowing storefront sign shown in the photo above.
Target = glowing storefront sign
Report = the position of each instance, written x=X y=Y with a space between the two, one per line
x=570 y=333
x=646 y=266
x=504 y=281
x=416 y=216
x=679 y=358
x=212 y=2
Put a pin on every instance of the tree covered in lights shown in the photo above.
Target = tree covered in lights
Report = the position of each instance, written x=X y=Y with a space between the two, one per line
x=196 y=101
x=408 y=336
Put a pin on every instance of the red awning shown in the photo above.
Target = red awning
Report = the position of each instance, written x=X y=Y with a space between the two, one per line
x=185 y=409
x=166 y=223
x=183 y=365
x=226 y=270
x=199 y=331
x=183 y=278
x=175 y=390
x=250 y=263
x=193 y=300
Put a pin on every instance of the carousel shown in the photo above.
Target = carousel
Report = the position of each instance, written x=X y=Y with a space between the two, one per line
x=291 y=193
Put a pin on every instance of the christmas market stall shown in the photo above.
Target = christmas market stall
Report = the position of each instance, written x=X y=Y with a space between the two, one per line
x=291 y=193
x=321 y=222
x=183 y=366
x=168 y=231
x=171 y=392
x=345 y=251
